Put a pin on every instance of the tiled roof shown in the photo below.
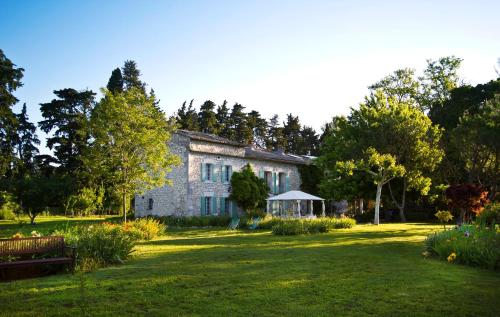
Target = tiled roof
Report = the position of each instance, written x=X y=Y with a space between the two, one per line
x=278 y=156
x=250 y=151
x=207 y=137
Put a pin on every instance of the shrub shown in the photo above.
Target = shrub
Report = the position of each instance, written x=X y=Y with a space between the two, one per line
x=147 y=228
x=289 y=228
x=202 y=221
x=104 y=243
x=303 y=226
x=268 y=222
x=343 y=223
x=444 y=216
x=489 y=216
x=466 y=245
x=8 y=206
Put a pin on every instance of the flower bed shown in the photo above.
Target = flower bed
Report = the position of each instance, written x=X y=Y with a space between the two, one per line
x=468 y=245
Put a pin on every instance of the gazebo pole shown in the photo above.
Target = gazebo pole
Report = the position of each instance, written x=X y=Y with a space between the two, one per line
x=298 y=207
x=323 y=208
x=311 y=205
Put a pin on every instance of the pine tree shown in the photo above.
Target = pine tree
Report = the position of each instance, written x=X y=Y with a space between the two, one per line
x=258 y=125
x=26 y=143
x=240 y=131
x=131 y=75
x=309 y=142
x=10 y=80
x=275 y=139
x=292 y=135
x=207 y=120
x=67 y=117
x=115 y=83
x=223 y=124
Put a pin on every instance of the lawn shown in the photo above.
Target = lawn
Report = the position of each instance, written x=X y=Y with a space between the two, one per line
x=363 y=271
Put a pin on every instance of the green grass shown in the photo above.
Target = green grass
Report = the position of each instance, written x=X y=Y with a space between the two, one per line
x=363 y=271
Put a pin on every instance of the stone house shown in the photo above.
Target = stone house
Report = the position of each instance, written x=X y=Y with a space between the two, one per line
x=201 y=185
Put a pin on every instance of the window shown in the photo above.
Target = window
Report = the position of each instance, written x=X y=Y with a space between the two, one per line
x=150 y=203
x=282 y=182
x=268 y=177
x=208 y=172
x=208 y=206
x=226 y=173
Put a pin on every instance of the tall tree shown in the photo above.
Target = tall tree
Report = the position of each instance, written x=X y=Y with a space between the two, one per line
x=258 y=125
x=115 y=83
x=401 y=84
x=292 y=135
x=381 y=167
x=26 y=143
x=187 y=117
x=440 y=78
x=10 y=80
x=67 y=118
x=275 y=138
x=207 y=119
x=129 y=148
x=223 y=124
x=240 y=131
x=477 y=137
x=131 y=76
x=309 y=142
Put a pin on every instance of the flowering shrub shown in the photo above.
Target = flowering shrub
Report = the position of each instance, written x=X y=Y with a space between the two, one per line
x=101 y=244
x=18 y=235
x=444 y=216
x=467 y=245
x=146 y=228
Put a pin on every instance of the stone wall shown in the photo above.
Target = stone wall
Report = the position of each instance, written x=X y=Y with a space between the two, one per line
x=169 y=199
x=183 y=197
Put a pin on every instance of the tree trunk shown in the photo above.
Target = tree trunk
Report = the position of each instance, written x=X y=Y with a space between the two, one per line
x=377 y=204
x=124 y=206
x=361 y=205
x=401 y=207
x=403 y=202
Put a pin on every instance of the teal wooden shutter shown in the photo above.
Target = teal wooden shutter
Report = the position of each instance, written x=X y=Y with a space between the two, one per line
x=230 y=172
x=214 y=205
x=202 y=206
x=222 y=205
x=273 y=190
x=203 y=171
x=287 y=183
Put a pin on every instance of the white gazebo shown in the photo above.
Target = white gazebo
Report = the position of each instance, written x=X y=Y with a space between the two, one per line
x=295 y=197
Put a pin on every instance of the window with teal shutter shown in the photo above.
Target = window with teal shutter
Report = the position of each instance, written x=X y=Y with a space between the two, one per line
x=213 y=170
x=202 y=206
x=222 y=205
x=275 y=187
x=214 y=205
x=222 y=172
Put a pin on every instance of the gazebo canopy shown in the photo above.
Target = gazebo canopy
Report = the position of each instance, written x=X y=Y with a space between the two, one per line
x=294 y=195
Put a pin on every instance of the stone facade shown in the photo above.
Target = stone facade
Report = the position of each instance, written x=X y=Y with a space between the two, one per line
x=186 y=196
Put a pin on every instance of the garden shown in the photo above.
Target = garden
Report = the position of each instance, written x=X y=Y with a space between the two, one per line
x=210 y=271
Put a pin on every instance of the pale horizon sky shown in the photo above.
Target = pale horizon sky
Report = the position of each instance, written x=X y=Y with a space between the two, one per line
x=313 y=59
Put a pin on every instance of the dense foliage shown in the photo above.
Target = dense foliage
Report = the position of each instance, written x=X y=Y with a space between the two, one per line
x=248 y=190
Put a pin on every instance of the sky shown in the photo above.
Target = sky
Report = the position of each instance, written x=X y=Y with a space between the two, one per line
x=311 y=58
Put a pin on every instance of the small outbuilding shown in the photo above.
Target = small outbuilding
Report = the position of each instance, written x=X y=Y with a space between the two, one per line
x=289 y=204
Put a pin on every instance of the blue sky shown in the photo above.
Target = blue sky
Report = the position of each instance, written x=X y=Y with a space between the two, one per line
x=311 y=58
